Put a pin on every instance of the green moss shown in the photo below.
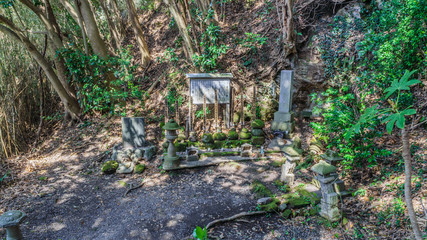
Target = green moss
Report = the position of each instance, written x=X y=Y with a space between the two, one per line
x=243 y=141
x=232 y=135
x=271 y=207
x=110 y=167
x=260 y=189
x=218 y=144
x=258 y=141
x=278 y=183
x=300 y=198
x=180 y=146
x=193 y=144
x=219 y=154
x=276 y=163
x=245 y=135
x=273 y=151
x=245 y=130
x=234 y=143
x=236 y=118
x=287 y=213
x=219 y=136
x=207 y=138
x=258 y=123
x=139 y=168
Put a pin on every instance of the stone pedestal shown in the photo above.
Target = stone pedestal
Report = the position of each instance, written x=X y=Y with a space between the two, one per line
x=192 y=154
x=334 y=158
x=284 y=118
x=326 y=175
x=288 y=168
x=171 y=160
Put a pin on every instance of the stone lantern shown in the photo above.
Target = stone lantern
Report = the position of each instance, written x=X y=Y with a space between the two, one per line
x=326 y=175
x=11 y=220
x=171 y=159
x=334 y=158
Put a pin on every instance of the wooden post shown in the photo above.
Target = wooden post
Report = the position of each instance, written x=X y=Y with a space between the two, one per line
x=166 y=111
x=231 y=109
x=177 y=112
x=216 y=110
x=242 y=116
x=190 y=113
x=204 y=113
x=254 y=105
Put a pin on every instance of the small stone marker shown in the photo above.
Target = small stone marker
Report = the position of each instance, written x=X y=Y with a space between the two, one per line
x=284 y=118
x=246 y=150
x=133 y=132
x=326 y=175
x=288 y=168
x=11 y=221
x=192 y=154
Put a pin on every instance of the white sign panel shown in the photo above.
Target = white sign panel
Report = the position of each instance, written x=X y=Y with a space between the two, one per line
x=207 y=87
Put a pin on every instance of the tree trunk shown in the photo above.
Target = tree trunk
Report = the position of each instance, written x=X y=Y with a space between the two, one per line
x=182 y=26
x=98 y=45
x=139 y=34
x=70 y=102
x=406 y=154
x=116 y=39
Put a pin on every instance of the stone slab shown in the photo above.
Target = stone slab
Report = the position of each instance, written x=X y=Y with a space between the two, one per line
x=282 y=126
x=214 y=161
x=133 y=132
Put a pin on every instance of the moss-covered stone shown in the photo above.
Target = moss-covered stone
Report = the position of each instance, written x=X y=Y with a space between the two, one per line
x=193 y=144
x=219 y=136
x=219 y=154
x=323 y=168
x=258 y=141
x=287 y=213
x=236 y=118
x=245 y=134
x=207 y=138
x=260 y=189
x=139 y=168
x=258 y=123
x=181 y=137
x=232 y=135
x=110 y=167
x=218 y=144
x=257 y=132
x=243 y=141
x=271 y=207
x=180 y=146
x=300 y=198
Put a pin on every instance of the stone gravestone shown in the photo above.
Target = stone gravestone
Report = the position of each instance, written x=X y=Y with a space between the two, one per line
x=133 y=132
x=205 y=84
x=284 y=118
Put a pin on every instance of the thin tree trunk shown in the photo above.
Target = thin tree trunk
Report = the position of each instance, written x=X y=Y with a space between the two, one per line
x=114 y=33
x=82 y=27
x=70 y=102
x=406 y=154
x=182 y=26
x=139 y=34
x=98 y=45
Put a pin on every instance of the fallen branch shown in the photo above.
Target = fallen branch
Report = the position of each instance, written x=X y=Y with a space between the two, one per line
x=239 y=215
x=132 y=188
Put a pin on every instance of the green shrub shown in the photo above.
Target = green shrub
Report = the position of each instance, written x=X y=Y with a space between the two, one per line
x=110 y=167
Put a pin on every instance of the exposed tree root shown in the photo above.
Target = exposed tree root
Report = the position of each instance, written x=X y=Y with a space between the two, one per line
x=132 y=188
x=239 y=215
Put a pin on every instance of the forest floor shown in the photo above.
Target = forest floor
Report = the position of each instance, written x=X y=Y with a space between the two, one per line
x=61 y=188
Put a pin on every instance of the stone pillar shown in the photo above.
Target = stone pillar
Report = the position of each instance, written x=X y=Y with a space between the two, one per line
x=326 y=175
x=284 y=118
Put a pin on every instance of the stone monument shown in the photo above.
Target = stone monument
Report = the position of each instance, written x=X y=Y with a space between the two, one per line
x=133 y=132
x=284 y=118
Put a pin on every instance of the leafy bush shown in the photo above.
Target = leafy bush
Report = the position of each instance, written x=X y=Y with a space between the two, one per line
x=102 y=84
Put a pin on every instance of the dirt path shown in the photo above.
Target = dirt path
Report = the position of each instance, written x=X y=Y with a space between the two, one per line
x=76 y=204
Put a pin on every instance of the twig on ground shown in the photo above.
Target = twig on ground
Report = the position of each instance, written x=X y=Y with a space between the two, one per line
x=239 y=215
x=132 y=188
